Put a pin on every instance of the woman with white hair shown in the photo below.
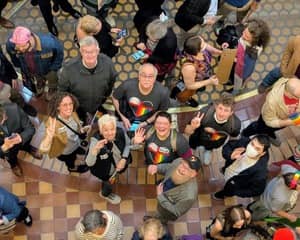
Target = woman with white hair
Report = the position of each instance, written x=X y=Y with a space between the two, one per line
x=108 y=155
x=159 y=43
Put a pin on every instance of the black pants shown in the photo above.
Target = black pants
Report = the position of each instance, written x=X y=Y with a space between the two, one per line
x=71 y=158
x=12 y=155
x=46 y=10
x=259 y=127
x=103 y=173
x=3 y=4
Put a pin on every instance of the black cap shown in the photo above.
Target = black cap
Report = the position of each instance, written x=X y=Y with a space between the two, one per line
x=194 y=162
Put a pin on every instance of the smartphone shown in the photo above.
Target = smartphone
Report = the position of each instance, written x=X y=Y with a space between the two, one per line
x=122 y=33
x=134 y=126
x=13 y=135
x=138 y=55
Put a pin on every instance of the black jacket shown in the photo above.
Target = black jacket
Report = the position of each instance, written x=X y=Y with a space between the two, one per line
x=250 y=182
x=165 y=49
x=7 y=71
x=17 y=122
x=147 y=10
x=191 y=13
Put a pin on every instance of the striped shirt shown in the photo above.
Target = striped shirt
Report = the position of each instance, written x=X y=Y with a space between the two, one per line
x=113 y=231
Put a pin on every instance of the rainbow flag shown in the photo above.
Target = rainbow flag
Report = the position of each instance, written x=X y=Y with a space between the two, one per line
x=159 y=158
x=295 y=117
x=142 y=110
x=215 y=136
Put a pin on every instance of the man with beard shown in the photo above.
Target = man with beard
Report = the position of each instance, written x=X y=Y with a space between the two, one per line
x=39 y=56
x=178 y=191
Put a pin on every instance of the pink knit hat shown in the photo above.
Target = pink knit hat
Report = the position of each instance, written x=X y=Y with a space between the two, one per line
x=20 y=36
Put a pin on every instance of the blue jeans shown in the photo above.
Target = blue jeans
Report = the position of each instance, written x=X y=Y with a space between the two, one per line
x=272 y=77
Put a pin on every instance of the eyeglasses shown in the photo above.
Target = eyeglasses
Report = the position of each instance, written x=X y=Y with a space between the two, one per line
x=144 y=75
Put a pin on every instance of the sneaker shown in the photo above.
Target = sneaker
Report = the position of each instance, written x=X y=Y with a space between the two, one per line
x=50 y=94
x=79 y=169
x=275 y=141
x=192 y=103
x=28 y=220
x=17 y=170
x=111 y=198
x=218 y=195
x=207 y=157
x=6 y=23
x=35 y=153
x=218 y=26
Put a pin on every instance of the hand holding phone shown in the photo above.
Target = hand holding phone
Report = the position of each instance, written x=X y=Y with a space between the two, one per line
x=122 y=33
x=134 y=126
x=12 y=136
x=138 y=55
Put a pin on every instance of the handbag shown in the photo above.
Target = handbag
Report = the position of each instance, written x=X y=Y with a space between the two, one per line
x=181 y=93
x=82 y=136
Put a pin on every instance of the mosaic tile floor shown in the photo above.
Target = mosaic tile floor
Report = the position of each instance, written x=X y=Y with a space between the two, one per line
x=57 y=199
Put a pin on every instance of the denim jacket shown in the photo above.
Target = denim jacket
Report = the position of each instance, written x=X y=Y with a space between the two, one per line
x=10 y=205
x=48 y=55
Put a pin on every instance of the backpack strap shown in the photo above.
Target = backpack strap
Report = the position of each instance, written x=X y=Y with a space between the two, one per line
x=174 y=140
x=149 y=132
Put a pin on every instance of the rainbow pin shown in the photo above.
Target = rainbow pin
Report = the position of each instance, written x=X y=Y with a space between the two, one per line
x=295 y=117
x=295 y=179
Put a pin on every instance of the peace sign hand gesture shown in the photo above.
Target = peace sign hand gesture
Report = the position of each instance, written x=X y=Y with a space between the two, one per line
x=196 y=121
x=51 y=127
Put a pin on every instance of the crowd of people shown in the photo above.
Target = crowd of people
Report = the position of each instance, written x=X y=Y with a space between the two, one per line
x=78 y=126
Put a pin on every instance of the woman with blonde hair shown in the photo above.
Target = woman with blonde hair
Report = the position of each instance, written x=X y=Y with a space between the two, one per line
x=151 y=229
x=109 y=154
x=100 y=30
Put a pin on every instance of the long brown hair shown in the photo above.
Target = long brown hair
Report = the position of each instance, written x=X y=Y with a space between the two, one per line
x=57 y=99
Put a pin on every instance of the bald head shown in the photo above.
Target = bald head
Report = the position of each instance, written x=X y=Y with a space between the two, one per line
x=293 y=87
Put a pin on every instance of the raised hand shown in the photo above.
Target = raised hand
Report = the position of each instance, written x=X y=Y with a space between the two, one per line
x=196 y=121
x=139 y=136
x=141 y=46
x=100 y=144
x=214 y=80
x=152 y=169
x=237 y=153
x=51 y=127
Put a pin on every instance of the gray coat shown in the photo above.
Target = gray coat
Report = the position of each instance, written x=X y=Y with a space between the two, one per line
x=91 y=89
x=177 y=201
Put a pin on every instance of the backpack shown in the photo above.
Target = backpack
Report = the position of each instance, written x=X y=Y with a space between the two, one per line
x=173 y=137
